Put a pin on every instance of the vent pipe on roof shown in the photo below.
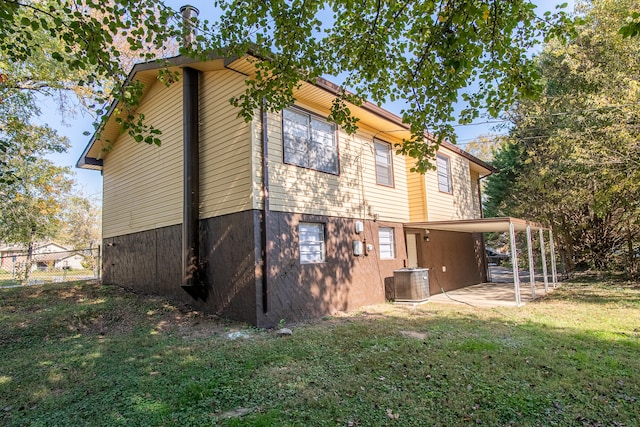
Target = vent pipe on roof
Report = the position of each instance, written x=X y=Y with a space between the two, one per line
x=189 y=26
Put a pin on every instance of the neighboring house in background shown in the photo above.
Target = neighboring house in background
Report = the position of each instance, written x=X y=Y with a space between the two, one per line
x=287 y=216
x=46 y=255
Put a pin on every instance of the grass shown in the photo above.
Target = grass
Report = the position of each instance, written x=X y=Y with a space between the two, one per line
x=85 y=354
x=8 y=279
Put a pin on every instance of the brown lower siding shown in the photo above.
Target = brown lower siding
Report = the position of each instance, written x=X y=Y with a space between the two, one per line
x=230 y=248
x=150 y=262
x=343 y=282
x=461 y=255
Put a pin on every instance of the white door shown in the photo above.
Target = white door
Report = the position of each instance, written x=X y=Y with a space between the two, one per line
x=412 y=250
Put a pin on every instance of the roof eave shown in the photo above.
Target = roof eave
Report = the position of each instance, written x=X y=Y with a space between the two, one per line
x=87 y=162
x=381 y=112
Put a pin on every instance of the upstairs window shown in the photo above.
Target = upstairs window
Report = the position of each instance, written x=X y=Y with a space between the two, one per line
x=312 y=248
x=387 y=244
x=384 y=163
x=309 y=141
x=443 y=164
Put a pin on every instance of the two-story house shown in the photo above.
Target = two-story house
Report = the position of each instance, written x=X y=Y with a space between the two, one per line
x=284 y=217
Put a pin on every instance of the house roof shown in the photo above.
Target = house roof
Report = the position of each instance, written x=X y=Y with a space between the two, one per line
x=483 y=225
x=55 y=256
x=322 y=91
x=24 y=248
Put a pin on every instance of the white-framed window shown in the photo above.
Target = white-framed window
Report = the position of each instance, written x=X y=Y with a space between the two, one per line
x=312 y=247
x=387 y=243
x=443 y=165
x=384 y=163
x=309 y=141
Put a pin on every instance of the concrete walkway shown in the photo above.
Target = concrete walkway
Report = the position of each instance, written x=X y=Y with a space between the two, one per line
x=500 y=292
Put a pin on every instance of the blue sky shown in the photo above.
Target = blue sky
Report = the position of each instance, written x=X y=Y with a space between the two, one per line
x=73 y=126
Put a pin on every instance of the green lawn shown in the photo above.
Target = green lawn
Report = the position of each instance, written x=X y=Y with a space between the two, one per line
x=8 y=279
x=85 y=354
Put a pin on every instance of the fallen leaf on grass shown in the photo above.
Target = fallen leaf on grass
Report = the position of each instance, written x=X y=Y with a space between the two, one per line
x=391 y=415
x=413 y=334
x=236 y=413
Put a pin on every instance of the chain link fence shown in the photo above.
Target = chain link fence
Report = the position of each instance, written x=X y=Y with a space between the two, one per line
x=18 y=268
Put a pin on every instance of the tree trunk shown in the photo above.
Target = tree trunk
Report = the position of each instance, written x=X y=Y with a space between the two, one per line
x=631 y=259
x=29 y=261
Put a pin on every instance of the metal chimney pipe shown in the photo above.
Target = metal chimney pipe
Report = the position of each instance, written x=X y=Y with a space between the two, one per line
x=190 y=218
x=189 y=15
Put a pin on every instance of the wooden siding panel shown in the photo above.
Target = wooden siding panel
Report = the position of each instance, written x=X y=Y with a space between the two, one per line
x=343 y=282
x=353 y=193
x=142 y=183
x=226 y=184
x=454 y=260
x=150 y=262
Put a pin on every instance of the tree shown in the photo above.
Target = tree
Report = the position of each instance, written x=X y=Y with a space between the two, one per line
x=574 y=161
x=422 y=52
x=484 y=146
x=80 y=223
x=33 y=199
x=78 y=51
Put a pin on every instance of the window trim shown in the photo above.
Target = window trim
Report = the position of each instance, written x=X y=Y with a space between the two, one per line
x=389 y=164
x=449 y=175
x=311 y=114
x=393 y=243
x=323 y=243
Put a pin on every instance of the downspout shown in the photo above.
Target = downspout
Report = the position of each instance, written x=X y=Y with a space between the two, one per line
x=266 y=214
x=480 y=178
x=485 y=261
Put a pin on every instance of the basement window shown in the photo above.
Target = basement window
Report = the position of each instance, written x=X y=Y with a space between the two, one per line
x=309 y=141
x=312 y=246
x=387 y=243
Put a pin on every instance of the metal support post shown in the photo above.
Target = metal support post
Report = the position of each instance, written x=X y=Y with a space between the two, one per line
x=543 y=253
x=514 y=261
x=554 y=272
x=532 y=272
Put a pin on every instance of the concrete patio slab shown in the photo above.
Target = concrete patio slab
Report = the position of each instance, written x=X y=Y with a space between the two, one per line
x=499 y=292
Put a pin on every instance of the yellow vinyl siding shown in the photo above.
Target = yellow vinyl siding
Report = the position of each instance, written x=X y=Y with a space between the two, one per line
x=225 y=147
x=475 y=194
x=142 y=183
x=416 y=193
x=462 y=203
x=256 y=159
x=349 y=194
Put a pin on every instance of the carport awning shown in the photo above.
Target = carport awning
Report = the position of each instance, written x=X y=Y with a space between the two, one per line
x=512 y=225
x=483 y=225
